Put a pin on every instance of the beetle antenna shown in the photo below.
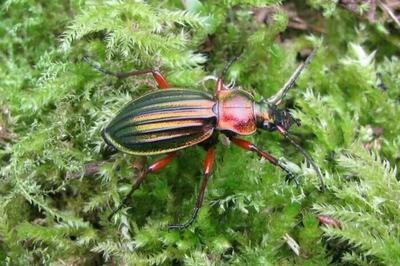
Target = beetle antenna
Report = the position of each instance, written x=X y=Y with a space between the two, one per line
x=278 y=97
x=305 y=154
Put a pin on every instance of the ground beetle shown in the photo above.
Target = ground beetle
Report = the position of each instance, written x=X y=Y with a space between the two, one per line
x=170 y=119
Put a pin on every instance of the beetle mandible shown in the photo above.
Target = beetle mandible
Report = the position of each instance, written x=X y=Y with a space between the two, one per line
x=170 y=119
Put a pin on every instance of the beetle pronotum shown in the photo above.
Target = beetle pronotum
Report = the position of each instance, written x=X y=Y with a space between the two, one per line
x=170 y=119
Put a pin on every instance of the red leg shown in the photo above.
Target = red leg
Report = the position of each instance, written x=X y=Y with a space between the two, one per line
x=159 y=78
x=220 y=85
x=208 y=166
x=158 y=165
x=251 y=147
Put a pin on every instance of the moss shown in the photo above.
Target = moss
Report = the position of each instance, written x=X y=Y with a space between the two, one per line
x=53 y=107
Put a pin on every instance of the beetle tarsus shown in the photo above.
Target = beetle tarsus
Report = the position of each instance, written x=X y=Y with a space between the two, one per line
x=230 y=63
x=135 y=186
x=187 y=223
x=208 y=166
x=97 y=66
x=291 y=177
x=158 y=165
x=244 y=144
x=289 y=174
x=121 y=205
x=158 y=77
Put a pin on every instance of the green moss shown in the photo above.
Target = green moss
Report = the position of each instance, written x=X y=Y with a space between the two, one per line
x=53 y=107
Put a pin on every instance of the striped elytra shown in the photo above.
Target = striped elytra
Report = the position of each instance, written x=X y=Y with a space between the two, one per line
x=162 y=121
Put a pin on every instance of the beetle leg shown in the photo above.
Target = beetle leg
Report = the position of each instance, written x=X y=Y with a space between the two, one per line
x=159 y=78
x=220 y=85
x=158 y=165
x=208 y=166
x=251 y=147
x=220 y=82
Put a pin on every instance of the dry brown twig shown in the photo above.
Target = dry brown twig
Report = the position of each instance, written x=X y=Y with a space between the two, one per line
x=388 y=8
x=296 y=21
x=5 y=117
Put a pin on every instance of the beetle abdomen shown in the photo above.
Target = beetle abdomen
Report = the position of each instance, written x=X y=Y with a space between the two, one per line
x=162 y=121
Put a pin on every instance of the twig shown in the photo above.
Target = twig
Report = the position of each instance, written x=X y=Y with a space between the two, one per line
x=386 y=9
x=4 y=134
x=89 y=169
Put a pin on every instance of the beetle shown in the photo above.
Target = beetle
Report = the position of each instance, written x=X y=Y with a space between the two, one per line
x=170 y=119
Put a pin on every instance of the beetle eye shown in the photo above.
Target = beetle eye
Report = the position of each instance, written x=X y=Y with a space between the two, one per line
x=269 y=126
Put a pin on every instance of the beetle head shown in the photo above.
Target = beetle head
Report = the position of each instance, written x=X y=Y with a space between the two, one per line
x=284 y=119
x=269 y=117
